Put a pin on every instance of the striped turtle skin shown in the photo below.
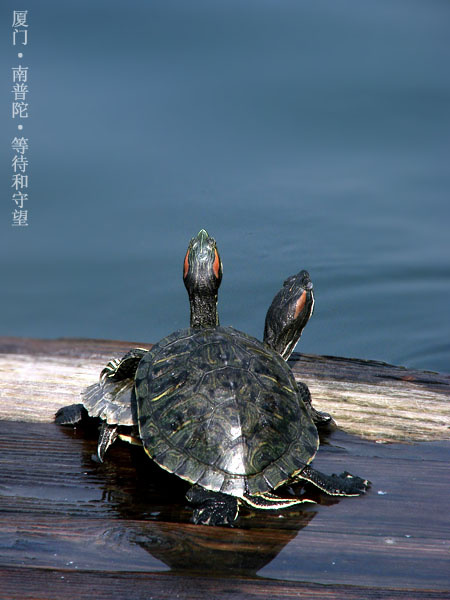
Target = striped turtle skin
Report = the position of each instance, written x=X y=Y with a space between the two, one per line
x=222 y=410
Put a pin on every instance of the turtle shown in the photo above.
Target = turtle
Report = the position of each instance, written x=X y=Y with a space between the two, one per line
x=113 y=399
x=222 y=410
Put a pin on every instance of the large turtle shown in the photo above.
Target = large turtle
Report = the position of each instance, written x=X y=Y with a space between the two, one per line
x=220 y=409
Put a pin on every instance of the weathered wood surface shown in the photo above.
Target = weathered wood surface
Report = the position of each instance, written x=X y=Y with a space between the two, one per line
x=367 y=398
x=71 y=528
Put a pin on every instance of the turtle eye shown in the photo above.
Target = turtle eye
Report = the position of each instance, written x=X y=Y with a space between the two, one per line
x=186 y=265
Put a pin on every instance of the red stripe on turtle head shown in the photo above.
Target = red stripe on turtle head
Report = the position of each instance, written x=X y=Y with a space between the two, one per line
x=186 y=265
x=300 y=304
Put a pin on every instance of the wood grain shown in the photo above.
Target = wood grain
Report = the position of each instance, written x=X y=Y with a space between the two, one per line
x=47 y=584
x=367 y=398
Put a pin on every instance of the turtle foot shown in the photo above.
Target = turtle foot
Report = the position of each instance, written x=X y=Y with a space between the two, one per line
x=321 y=419
x=344 y=484
x=70 y=415
x=212 y=508
x=124 y=368
x=350 y=485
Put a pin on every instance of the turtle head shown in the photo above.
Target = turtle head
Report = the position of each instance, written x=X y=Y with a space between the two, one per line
x=288 y=314
x=202 y=274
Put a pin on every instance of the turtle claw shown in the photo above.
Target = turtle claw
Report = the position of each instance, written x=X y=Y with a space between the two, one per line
x=358 y=484
x=210 y=514
x=108 y=435
x=350 y=485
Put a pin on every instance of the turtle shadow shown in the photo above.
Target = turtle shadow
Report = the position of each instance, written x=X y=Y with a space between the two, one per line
x=152 y=513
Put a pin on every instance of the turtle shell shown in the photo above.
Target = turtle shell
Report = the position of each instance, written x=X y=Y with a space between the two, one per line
x=219 y=408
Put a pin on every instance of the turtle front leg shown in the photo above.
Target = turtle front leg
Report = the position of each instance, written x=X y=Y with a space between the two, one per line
x=344 y=484
x=124 y=368
x=321 y=419
x=212 y=508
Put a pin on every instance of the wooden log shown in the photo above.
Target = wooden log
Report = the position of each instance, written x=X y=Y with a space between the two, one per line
x=370 y=399
x=73 y=528
x=104 y=586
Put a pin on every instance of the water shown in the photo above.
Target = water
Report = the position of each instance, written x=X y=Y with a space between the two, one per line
x=300 y=135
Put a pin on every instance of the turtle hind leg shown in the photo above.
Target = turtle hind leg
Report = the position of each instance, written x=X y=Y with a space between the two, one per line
x=212 y=508
x=124 y=368
x=344 y=484
x=321 y=419
x=108 y=435
x=71 y=415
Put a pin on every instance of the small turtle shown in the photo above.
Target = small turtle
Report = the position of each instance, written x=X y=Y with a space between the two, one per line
x=113 y=399
x=222 y=410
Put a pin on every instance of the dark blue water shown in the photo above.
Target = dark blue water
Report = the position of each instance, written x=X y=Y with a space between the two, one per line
x=299 y=134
